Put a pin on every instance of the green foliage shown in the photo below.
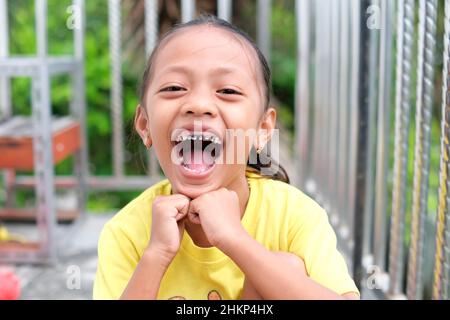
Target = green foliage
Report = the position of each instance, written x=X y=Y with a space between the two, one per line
x=104 y=202
x=434 y=167
x=60 y=42
x=98 y=83
x=21 y=22
x=283 y=59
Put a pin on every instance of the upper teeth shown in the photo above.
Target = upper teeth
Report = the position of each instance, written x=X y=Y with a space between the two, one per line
x=199 y=137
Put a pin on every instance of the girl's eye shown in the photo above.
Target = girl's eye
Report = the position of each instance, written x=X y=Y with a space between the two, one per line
x=172 y=89
x=229 y=91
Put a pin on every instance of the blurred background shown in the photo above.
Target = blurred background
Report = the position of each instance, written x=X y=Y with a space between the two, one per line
x=358 y=89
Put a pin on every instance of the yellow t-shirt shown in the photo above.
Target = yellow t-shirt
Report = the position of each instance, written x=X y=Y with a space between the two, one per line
x=278 y=216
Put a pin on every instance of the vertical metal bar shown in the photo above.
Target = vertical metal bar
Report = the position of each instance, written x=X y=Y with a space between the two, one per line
x=371 y=127
x=344 y=104
x=116 y=84
x=442 y=257
x=402 y=115
x=187 y=10
x=79 y=105
x=42 y=151
x=325 y=39
x=302 y=91
x=225 y=9
x=151 y=25
x=41 y=28
x=264 y=27
x=333 y=133
x=327 y=76
x=5 y=84
x=445 y=280
x=5 y=96
x=43 y=161
x=359 y=167
x=151 y=37
x=319 y=62
x=384 y=110
x=424 y=105
x=346 y=227
x=321 y=92
x=4 y=35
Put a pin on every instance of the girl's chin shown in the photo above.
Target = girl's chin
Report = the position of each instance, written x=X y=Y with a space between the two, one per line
x=194 y=184
x=192 y=191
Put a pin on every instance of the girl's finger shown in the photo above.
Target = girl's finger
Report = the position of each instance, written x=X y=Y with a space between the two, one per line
x=193 y=215
x=180 y=216
x=181 y=205
x=181 y=227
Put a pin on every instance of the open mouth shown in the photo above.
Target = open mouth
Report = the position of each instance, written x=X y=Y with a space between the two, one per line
x=197 y=152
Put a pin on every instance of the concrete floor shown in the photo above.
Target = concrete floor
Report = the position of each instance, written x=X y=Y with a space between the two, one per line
x=72 y=277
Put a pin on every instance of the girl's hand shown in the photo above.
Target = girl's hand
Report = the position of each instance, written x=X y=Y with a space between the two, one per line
x=218 y=213
x=168 y=224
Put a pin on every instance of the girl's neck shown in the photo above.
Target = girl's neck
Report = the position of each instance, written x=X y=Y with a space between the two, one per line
x=195 y=231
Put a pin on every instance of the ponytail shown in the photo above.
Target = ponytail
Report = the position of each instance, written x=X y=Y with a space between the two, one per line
x=272 y=169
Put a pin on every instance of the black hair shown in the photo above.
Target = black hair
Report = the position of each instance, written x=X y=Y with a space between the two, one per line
x=209 y=19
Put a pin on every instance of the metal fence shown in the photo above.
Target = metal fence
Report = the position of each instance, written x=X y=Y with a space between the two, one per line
x=345 y=59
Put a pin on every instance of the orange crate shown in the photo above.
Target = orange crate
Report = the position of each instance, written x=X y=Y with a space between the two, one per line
x=16 y=141
x=14 y=247
x=30 y=214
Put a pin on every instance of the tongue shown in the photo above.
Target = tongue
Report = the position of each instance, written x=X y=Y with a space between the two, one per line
x=198 y=161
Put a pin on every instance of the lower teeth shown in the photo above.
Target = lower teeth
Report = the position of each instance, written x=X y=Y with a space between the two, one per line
x=206 y=168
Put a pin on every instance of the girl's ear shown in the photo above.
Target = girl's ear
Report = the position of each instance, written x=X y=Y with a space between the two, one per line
x=141 y=125
x=266 y=127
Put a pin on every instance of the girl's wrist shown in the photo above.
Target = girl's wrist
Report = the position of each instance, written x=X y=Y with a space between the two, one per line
x=162 y=257
x=233 y=242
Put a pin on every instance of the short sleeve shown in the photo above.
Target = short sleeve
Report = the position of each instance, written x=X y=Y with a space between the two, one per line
x=313 y=239
x=117 y=260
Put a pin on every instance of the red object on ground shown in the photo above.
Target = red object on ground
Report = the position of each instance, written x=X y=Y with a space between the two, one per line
x=9 y=284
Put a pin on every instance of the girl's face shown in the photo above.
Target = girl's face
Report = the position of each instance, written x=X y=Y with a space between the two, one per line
x=206 y=83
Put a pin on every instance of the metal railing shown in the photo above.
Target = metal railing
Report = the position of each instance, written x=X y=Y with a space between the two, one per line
x=343 y=115
x=40 y=68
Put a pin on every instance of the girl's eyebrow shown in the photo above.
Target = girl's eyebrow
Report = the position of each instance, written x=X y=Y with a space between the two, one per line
x=176 y=69
x=187 y=70
x=224 y=70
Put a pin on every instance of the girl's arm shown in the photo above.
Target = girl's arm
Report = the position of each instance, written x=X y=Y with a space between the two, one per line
x=218 y=212
x=271 y=276
x=146 y=279
x=168 y=214
x=249 y=292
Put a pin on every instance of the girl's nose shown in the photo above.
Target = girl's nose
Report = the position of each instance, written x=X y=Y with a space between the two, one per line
x=197 y=106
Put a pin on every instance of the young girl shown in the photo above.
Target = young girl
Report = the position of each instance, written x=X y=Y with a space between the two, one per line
x=215 y=229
